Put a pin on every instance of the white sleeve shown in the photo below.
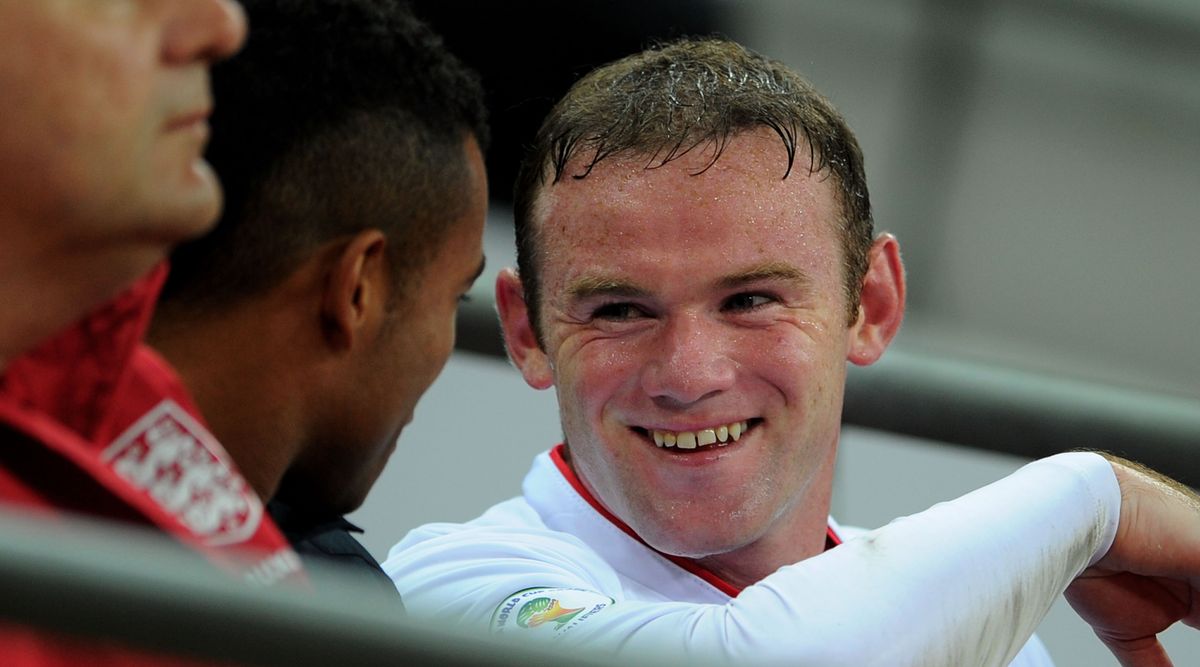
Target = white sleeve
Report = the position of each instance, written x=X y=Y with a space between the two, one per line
x=963 y=583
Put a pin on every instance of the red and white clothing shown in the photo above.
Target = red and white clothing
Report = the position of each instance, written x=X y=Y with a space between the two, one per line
x=963 y=583
x=94 y=422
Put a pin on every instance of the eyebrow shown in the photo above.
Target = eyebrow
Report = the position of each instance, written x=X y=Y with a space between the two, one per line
x=768 y=272
x=591 y=287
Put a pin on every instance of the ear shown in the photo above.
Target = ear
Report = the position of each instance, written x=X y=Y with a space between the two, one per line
x=881 y=303
x=519 y=339
x=355 y=290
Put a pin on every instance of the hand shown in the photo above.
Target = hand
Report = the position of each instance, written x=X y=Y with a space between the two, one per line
x=1150 y=578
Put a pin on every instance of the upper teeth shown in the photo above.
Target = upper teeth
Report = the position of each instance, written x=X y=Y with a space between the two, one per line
x=691 y=439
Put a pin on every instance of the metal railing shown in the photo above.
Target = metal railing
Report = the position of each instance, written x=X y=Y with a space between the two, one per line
x=94 y=580
x=97 y=580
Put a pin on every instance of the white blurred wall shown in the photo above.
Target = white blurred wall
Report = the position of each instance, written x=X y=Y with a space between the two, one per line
x=1039 y=161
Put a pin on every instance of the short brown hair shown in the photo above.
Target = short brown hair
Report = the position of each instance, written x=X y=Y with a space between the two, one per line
x=671 y=98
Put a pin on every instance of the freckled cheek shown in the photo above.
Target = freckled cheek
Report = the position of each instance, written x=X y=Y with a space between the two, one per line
x=790 y=367
x=601 y=372
x=825 y=388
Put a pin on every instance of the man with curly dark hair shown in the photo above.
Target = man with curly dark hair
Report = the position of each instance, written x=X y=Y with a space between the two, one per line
x=310 y=321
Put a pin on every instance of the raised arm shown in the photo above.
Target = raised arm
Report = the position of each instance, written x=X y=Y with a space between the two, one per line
x=965 y=582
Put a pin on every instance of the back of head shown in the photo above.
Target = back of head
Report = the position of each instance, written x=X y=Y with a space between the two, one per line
x=338 y=116
x=684 y=95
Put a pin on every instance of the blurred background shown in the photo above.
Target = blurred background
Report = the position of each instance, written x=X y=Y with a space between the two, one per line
x=1039 y=161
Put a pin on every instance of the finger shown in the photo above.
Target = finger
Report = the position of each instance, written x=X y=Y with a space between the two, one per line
x=1143 y=652
x=1192 y=618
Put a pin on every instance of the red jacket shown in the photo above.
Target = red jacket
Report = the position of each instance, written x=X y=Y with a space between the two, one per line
x=92 y=421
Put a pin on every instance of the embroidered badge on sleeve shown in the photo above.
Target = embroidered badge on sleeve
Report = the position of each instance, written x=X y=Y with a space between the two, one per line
x=547 y=612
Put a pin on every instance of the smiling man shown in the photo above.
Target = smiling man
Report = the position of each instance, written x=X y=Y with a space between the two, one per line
x=741 y=333
x=697 y=266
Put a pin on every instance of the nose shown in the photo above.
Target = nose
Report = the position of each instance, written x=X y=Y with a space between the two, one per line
x=691 y=362
x=204 y=30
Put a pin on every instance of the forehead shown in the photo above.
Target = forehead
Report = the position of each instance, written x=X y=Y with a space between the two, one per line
x=739 y=209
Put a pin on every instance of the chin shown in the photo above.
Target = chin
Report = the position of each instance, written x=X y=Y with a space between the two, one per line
x=679 y=541
x=187 y=210
x=344 y=503
x=711 y=531
x=194 y=218
x=321 y=496
x=175 y=225
x=351 y=495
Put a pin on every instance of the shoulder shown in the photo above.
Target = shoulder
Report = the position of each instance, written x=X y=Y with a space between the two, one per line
x=511 y=529
x=845 y=532
x=467 y=569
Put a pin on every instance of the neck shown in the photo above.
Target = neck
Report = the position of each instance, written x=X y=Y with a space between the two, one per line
x=797 y=534
x=45 y=290
x=243 y=382
x=753 y=562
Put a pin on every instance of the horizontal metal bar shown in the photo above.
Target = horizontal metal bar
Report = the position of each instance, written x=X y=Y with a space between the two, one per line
x=1023 y=413
x=107 y=581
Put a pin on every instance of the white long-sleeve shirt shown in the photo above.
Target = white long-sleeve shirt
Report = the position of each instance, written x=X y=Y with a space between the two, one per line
x=963 y=583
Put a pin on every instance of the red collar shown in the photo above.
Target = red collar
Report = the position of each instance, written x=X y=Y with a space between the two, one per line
x=89 y=405
x=74 y=377
x=556 y=455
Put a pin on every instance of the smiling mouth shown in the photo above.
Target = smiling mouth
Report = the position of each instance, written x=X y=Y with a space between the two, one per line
x=716 y=436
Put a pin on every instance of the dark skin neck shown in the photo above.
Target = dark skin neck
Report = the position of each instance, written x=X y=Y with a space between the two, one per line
x=267 y=369
x=240 y=367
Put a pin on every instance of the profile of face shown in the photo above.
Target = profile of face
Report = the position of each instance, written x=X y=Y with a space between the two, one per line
x=697 y=332
x=399 y=364
x=103 y=108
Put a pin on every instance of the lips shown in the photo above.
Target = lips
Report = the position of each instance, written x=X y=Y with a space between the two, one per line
x=189 y=120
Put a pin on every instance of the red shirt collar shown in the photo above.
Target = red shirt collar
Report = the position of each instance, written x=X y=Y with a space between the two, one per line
x=74 y=376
